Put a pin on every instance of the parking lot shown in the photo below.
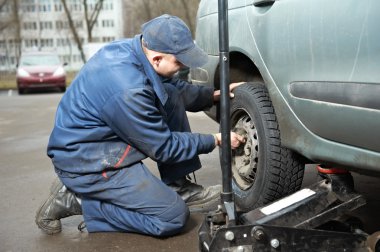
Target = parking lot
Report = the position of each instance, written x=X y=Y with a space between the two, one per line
x=26 y=175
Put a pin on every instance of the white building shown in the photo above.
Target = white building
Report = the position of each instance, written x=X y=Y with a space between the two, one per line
x=44 y=26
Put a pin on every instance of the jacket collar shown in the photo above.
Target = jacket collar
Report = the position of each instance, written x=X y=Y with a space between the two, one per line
x=153 y=77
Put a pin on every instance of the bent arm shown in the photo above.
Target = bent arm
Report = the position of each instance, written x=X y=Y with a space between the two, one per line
x=133 y=116
x=196 y=98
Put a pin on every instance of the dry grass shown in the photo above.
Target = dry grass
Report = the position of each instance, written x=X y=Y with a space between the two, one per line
x=8 y=79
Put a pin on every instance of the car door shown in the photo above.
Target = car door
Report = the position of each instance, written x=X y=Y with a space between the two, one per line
x=324 y=57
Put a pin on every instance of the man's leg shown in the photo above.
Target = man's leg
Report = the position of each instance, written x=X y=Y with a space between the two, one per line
x=102 y=216
x=198 y=198
x=129 y=200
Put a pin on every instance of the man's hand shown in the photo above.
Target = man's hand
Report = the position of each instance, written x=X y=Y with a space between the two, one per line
x=232 y=87
x=236 y=140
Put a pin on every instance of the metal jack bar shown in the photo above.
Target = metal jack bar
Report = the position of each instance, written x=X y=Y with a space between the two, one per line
x=227 y=194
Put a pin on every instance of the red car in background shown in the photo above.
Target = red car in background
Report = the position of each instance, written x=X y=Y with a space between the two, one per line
x=38 y=70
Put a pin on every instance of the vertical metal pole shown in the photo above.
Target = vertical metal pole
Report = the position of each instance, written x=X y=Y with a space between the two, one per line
x=227 y=195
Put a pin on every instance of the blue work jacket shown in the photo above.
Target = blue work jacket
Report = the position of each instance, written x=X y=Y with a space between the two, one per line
x=111 y=115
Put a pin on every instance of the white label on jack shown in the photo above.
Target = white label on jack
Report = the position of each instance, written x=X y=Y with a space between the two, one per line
x=287 y=201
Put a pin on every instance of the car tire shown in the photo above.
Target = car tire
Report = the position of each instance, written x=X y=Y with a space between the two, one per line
x=62 y=89
x=262 y=169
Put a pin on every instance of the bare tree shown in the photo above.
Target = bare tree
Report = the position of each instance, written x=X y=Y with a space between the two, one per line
x=10 y=26
x=189 y=14
x=4 y=22
x=146 y=7
x=10 y=20
x=138 y=12
x=74 y=30
x=90 y=19
x=3 y=3
x=17 y=27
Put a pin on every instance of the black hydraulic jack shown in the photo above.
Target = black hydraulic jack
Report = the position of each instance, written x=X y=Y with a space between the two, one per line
x=307 y=220
x=312 y=219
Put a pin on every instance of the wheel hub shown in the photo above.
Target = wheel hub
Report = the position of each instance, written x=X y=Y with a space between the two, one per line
x=244 y=158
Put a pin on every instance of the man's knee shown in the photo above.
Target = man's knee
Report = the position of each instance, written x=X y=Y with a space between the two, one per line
x=173 y=221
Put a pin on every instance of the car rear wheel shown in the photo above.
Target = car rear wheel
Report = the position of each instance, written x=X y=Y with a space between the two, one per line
x=262 y=169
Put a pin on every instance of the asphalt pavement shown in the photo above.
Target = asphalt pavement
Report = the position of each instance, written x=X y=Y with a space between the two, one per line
x=27 y=173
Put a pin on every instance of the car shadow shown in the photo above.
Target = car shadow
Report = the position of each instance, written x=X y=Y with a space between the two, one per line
x=42 y=91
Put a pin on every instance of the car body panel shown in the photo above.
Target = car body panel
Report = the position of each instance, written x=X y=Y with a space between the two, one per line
x=320 y=61
x=336 y=49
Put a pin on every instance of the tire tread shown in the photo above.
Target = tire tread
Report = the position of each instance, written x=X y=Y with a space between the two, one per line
x=284 y=171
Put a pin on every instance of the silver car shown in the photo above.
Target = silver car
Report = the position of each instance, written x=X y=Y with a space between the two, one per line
x=312 y=95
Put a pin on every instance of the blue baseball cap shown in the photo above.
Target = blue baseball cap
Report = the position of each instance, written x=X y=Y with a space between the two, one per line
x=169 y=34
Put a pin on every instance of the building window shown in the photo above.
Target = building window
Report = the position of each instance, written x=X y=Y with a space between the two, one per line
x=31 y=42
x=63 y=42
x=66 y=58
x=58 y=7
x=46 y=42
x=28 y=6
x=44 y=6
x=108 y=23
x=79 y=24
x=108 y=39
x=46 y=25
x=29 y=25
x=75 y=7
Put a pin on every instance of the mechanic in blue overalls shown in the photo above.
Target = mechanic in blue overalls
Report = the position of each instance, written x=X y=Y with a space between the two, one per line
x=124 y=106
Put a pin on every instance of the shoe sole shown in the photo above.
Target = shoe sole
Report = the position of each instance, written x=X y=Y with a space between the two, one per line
x=210 y=205
x=46 y=229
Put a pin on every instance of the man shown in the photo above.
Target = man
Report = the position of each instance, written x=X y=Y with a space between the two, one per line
x=123 y=106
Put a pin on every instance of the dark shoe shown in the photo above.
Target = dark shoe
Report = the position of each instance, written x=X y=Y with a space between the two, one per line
x=197 y=198
x=60 y=204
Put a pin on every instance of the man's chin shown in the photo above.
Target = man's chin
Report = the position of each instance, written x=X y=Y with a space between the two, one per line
x=171 y=75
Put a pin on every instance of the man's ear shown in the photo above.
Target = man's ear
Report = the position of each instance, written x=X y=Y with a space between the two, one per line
x=157 y=59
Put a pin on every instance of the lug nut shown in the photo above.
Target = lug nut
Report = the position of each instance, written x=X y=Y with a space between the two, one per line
x=258 y=233
x=275 y=243
x=229 y=236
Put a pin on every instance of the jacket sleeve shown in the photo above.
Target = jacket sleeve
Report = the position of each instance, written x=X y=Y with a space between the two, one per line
x=133 y=116
x=196 y=98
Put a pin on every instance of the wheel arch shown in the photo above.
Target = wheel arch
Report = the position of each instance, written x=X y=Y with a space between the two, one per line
x=242 y=68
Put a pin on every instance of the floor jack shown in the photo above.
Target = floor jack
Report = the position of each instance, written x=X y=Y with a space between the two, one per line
x=304 y=221
x=308 y=220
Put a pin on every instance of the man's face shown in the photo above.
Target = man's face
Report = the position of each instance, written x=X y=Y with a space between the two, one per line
x=166 y=65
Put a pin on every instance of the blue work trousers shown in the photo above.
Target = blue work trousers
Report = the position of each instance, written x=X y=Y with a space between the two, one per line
x=132 y=199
